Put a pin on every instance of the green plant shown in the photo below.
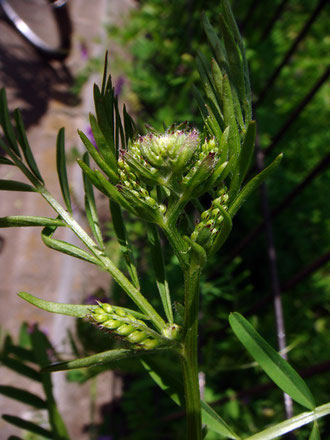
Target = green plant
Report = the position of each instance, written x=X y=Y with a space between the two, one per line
x=157 y=178
x=32 y=352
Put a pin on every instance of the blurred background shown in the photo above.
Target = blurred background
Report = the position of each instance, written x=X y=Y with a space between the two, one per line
x=279 y=247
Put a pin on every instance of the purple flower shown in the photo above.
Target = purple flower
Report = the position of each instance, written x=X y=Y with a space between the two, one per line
x=119 y=85
x=90 y=136
x=83 y=51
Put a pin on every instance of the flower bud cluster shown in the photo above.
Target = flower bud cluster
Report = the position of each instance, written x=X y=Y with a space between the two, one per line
x=208 y=150
x=169 y=152
x=207 y=229
x=125 y=325
x=135 y=191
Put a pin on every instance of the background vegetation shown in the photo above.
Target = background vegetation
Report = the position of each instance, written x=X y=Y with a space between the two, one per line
x=156 y=78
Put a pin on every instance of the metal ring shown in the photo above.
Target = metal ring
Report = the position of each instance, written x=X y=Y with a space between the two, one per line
x=63 y=23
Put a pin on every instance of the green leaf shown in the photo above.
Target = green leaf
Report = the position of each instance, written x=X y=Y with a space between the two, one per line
x=291 y=424
x=234 y=140
x=315 y=434
x=61 y=169
x=164 y=378
x=101 y=142
x=159 y=269
x=120 y=130
x=216 y=45
x=23 y=396
x=244 y=160
x=215 y=422
x=26 y=220
x=28 y=426
x=97 y=157
x=200 y=102
x=65 y=247
x=90 y=207
x=125 y=247
x=105 y=115
x=23 y=354
x=14 y=185
x=234 y=59
x=5 y=161
x=77 y=310
x=205 y=75
x=130 y=127
x=6 y=123
x=105 y=73
x=224 y=231
x=21 y=368
x=24 y=143
x=106 y=357
x=41 y=349
x=271 y=362
x=112 y=192
x=252 y=185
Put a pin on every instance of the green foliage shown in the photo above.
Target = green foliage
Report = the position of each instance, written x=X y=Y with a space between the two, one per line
x=33 y=348
x=163 y=178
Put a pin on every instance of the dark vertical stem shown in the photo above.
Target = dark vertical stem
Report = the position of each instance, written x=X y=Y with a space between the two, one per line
x=275 y=282
x=278 y=12
x=190 y=354
x=249 y=14
x=291 y=51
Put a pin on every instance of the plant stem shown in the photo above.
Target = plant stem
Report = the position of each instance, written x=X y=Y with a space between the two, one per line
x=178 y=244
x=189 y=355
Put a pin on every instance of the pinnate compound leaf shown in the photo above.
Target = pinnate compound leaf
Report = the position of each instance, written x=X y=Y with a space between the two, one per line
x=14 y=185
x=292 y=424
x=28 y=426
x=281 y=373
x=77 y=310
x=26 y=220
x=61 y=169
x=23 y=396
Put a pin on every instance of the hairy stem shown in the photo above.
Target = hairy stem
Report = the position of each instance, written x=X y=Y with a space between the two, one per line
x=190 y=356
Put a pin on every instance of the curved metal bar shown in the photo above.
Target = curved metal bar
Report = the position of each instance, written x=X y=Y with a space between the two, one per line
x=63 y=22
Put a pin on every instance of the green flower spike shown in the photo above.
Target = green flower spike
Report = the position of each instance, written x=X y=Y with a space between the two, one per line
x=123 y=324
